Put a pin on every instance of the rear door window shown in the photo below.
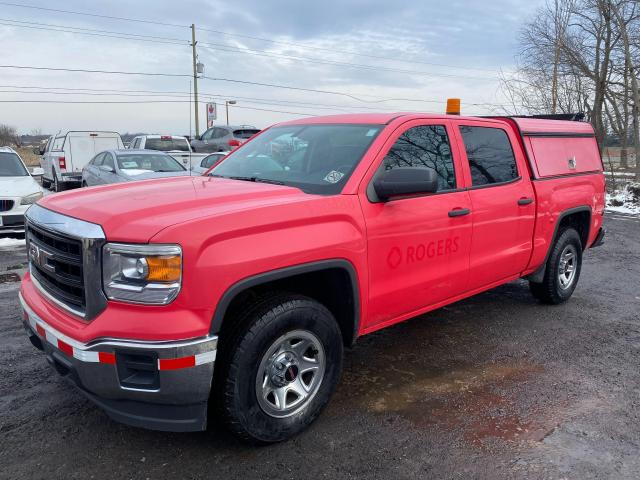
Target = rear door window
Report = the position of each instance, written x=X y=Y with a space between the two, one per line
x=490 y=155
x=219 y=133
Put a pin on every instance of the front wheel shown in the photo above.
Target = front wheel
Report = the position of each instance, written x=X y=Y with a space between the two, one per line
x=279 y=368
x=563 y=270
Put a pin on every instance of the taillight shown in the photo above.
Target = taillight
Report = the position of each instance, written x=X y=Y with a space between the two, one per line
x=234 y=143
x=62 y=163
x=165 y=137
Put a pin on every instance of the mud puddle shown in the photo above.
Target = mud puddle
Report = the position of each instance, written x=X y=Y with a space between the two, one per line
x=481 y=402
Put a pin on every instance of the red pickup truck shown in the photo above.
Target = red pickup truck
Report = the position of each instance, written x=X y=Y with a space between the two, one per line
x=311 y=234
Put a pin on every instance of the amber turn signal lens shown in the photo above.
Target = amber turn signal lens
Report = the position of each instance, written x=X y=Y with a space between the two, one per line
x=164 y=268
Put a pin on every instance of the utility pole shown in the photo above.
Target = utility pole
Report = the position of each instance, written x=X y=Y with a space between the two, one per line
x=195 y=77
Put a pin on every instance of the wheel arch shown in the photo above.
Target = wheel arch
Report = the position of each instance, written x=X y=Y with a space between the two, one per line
x=330 y=282
x=578 y=217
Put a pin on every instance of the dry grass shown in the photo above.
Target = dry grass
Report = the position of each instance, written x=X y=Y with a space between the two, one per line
x=30 y=158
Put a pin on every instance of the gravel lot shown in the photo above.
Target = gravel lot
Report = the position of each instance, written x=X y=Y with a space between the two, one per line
x=497 y=386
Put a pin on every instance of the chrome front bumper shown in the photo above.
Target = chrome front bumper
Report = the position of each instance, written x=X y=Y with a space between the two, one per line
x=156 y=385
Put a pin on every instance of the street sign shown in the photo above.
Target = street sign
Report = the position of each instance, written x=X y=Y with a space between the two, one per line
x=212 y=114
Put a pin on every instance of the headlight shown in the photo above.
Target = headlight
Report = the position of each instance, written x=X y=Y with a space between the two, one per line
x=149 y=274
x=31 y=199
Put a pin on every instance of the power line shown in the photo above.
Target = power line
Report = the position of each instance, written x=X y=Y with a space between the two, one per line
x=110 y=17
x=117 y=72
x=104 y=102
x=263 y=53
x=347 y=52
x=92 y=30
x=239 y=35
x=106 y=72
x=224 y=48
x=250 y=100
x=91 y=34
x=231 y=80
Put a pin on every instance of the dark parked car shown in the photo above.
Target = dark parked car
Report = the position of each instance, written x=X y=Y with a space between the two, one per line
x=223 y=138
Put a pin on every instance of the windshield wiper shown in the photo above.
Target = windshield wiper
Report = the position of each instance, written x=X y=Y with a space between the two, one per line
x=251 y=179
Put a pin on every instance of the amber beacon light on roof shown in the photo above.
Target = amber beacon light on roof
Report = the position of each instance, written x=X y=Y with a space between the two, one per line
x=453 y=106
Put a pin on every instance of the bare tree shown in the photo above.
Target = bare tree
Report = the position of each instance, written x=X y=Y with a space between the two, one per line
x=8 y=135
x=582 y=55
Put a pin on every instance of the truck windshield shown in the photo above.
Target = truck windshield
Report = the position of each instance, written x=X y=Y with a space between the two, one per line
x=167 y=144
x=153 y=163
x=315 y=158
x=11 y=166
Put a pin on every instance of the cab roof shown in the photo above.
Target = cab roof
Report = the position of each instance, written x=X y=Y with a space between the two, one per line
x=525 y=124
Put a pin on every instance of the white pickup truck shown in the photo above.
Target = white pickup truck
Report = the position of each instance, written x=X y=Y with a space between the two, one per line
x=176 y=146
x=66 y=154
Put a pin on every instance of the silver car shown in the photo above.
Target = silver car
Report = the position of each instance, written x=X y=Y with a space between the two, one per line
x=222 y=138
x=115 y=166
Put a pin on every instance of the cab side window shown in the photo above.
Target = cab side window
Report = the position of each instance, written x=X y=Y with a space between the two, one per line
x=425 y=146
x=490 y=155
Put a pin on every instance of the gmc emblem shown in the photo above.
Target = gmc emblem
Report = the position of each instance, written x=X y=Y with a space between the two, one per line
x=40 y=257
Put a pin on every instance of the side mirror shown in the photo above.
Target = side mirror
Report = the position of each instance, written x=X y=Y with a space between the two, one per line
x=405 y=181
x=37 y=171
x=106 y=168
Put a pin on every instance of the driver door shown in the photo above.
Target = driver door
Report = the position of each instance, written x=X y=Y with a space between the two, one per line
x=418 y=246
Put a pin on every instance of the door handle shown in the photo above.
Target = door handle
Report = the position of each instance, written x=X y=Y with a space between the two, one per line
x=459 y=212
x=525 y=201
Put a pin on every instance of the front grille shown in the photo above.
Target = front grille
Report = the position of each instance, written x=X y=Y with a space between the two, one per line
x=56 y=263
x=6 y=205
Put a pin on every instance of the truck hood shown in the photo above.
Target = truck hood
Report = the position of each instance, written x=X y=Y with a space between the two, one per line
x=135 y=212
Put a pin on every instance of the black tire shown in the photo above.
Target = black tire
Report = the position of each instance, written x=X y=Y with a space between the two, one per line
x=83 y=184
x=57 y=186
x=552 y=291
x=266 y=321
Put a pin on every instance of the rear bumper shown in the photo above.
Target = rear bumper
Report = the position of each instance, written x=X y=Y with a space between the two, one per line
x=71 y=177
x=155 y=385
x=599 y=238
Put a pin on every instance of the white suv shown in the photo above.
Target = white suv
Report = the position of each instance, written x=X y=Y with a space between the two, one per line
x=18 y=191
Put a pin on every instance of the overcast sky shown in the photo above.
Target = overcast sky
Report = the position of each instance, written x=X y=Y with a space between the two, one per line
x=432 y=50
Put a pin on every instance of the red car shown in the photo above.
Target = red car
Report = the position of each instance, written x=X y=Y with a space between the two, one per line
x=267 y=266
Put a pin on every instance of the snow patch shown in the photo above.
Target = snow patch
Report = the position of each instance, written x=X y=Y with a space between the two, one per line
x=11 y=242
x=626 y=200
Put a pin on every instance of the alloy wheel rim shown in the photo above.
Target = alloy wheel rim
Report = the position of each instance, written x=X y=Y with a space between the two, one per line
x=290 y=373
x=567 y=266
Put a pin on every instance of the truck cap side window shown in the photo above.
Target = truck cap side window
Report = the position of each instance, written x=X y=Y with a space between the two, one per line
x=425 y=146
x=490 y=155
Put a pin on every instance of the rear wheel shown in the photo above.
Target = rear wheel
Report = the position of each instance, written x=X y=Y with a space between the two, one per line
x=46 y=183
x=562 y=271
x=57 y=186
x=279 y=368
